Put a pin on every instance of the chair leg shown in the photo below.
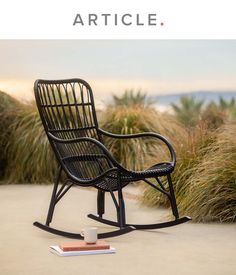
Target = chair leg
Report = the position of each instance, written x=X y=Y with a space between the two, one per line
x=101 y=203
x=172 y=198
x=121 y=209
x=53 y=198
x=121 y=213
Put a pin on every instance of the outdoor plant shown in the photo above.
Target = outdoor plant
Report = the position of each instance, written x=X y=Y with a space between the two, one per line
x=190 y=151
x=213 y=116
x=131 y=97
x=188 y=111
x=29 y=155
x=8 y=107
x=229 y=107
x=137 y=119
x=218 y=113
x=212 y=186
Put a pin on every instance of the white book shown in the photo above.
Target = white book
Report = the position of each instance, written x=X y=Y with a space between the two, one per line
x=58 y=251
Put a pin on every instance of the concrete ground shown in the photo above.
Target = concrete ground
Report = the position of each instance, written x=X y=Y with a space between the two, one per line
x=184 y=249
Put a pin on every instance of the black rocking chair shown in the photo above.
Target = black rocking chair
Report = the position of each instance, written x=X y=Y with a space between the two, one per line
x=68 y=114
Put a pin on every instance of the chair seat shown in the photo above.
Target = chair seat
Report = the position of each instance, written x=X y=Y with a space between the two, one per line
x=160 y=169
x=157 y=170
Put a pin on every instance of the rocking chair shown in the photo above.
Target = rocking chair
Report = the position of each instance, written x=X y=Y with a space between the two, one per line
x=67 y=111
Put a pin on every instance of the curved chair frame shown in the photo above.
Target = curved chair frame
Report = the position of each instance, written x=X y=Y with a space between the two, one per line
x=72 y=132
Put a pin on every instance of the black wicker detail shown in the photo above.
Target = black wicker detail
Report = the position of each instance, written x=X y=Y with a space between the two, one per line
x=69 y=118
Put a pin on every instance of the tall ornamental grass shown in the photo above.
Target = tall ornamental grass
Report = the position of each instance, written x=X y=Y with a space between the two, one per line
x=212 y=186
x=29 y=156
x=8 y=107
x=137 y=154
x=190 y=152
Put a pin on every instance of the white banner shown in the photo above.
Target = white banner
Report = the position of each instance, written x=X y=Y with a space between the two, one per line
x=70 y=19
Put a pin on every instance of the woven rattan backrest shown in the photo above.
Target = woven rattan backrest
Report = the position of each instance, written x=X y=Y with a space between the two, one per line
x=66 y=108
x=67 y=111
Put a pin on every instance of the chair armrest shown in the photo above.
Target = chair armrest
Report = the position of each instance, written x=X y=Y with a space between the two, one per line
x=106 y=153
x=141 y=135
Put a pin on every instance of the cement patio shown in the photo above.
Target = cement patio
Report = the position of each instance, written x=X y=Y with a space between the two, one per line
x=185 y=249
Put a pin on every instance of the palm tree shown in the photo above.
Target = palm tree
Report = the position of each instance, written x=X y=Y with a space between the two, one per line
x=188 y=111
x=224 y=105
x=228 y=107
x=130 y=97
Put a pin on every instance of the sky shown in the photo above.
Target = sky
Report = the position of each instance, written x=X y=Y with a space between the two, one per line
x=112 y=66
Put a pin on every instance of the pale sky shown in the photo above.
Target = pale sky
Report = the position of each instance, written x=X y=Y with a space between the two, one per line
x=111 y=66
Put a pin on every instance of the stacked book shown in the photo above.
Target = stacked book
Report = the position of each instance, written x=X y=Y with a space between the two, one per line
x=82 y=248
